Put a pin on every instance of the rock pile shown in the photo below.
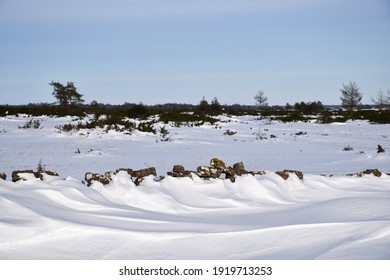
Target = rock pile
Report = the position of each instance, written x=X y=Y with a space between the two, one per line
x=139 y=175
x=218 y=167
x=106 y=178
x=208 y=172
x=286 y=173
x=179 y=171
x=37 y=174
x=375 y=172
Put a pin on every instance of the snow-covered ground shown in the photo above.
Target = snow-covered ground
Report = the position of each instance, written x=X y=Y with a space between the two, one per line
x=257 y=217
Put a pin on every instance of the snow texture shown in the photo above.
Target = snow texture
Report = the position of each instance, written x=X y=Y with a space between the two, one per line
x=256 y=217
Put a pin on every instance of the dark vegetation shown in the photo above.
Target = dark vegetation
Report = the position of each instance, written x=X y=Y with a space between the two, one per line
x=193 y=115
x=70 y=103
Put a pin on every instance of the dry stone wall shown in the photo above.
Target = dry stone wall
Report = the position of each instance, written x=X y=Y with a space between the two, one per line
x=217 y=169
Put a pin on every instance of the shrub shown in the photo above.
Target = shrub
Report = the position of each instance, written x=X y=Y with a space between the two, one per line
x=110 y=122
x=147 y=127
x=138 y=111
x=375 y=116
x=229 y=132
x=309 y=108
x=164 y=133
x=292 y=116
x=260 y=135
x=348 y=148
x=40 y=167
x=325 y=117
x=66 y=127
x=181 y=118
x=31 y=124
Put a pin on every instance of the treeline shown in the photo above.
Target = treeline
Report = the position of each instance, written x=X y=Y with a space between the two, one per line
x=131 y=110
x=70 y=102
x=204 y=111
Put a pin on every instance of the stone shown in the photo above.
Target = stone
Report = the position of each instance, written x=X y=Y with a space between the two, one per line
x=109 y=174
x=229 y=132
x=145 y=172
x=47 y=172
x=128 y=170
x=178 y=169
x=140 y=174
x=239 y=168
x=3 y=176
x=15 y=174
x=138 y=180
x=285 y=173
x=300 y=133
x=256 y=172
x=208 y=172
x=375 y=172
x=222 y=167
x=296 y=172
x=218 y=163
x=51 y=173
x=232 y=178
x=380 y=149
x=104 y=179
x=229 y=173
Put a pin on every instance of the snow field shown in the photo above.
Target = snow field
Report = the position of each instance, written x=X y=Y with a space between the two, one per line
x=257 y=217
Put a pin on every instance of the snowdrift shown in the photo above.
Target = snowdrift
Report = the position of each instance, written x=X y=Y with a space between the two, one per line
x=257 y=217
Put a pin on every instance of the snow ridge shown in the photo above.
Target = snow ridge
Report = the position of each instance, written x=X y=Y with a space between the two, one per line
x=257 y=217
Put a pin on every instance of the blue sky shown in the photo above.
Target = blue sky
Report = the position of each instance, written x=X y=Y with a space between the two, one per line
x=160 y=51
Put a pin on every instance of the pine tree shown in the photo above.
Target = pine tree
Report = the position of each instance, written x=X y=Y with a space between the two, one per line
x=215 y=105
x=203 y=105
x=66 y=95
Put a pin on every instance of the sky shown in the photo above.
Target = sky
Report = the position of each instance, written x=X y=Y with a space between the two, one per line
x=164 y=51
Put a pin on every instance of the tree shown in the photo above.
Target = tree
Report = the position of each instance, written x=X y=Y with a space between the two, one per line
x=137 y=111
x=309 y=108
x=350 y=96
x=203 y=105
x=66 y=95
x=381 y=100
x=261 y=99
x=215 y=105
x=94 y=104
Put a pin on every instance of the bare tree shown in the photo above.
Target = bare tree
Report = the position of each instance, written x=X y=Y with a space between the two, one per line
x=381 y=100
x=351 y=97
x=261 y=99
